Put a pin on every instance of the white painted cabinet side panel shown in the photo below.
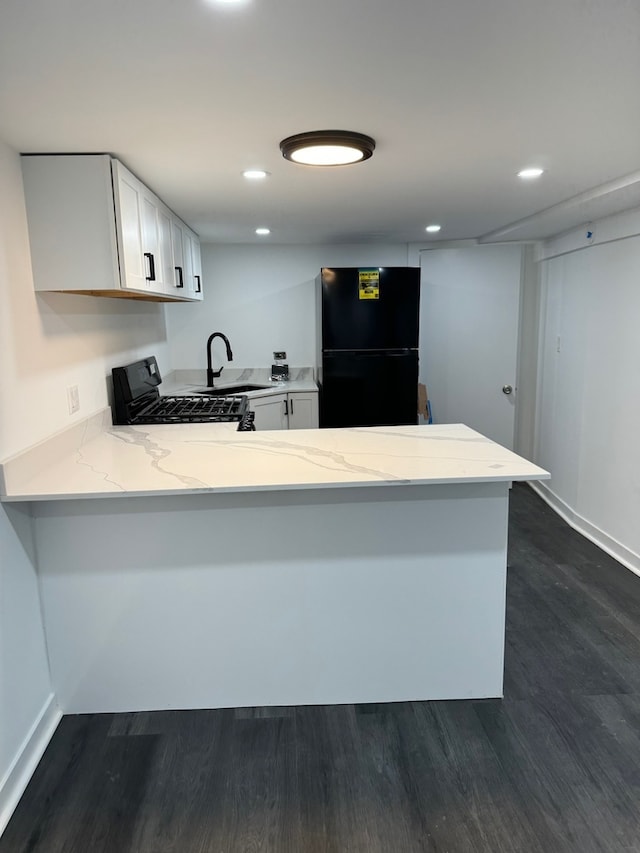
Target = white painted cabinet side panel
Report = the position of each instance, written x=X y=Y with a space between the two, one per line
x=293 y=605
x=69 y=201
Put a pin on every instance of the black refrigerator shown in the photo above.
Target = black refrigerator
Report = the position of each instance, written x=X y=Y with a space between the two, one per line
x=367 y=355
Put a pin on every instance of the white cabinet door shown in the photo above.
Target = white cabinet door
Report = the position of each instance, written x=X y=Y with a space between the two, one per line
x=165 y=249
x=192 y=265
x=156 y=244
x=303 y=411
x=129 y=217
x=177 y=242
x=150 y=241
x=197 y=267
x=270 y=412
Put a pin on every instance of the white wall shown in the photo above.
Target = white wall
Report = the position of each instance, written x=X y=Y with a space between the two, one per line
x=262 y=298
x=28 y=711
x=51 y=340
x=47 y=342
x=588 y=405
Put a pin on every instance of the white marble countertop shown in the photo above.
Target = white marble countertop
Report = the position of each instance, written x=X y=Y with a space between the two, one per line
x=97 y=460
x=191 y=381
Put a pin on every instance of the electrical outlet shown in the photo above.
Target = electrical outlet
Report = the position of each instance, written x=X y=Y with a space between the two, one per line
x=73 y=399
x=279 y=355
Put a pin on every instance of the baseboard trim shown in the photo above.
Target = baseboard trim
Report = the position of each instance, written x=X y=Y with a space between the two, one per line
x=17 y=777
x=629 y=559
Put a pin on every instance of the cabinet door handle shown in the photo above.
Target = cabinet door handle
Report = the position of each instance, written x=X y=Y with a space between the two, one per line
x=290 y=407
x=180 y=282
x=198 y=288
x=152 y=266
x=286 y=409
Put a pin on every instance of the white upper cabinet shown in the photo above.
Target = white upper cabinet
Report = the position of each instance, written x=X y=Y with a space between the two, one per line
x=95 y=228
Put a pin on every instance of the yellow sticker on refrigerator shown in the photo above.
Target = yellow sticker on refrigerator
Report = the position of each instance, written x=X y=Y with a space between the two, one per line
x=369 y=284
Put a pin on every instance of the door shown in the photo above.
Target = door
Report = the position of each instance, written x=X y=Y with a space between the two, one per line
x=150 y=242
x=197 y=267
x=192 y=265
x=469 y=319
x=381 y=316
x=165 y=250
x=177 y=243
x=369 y=389
x=303 y=411
x=128 y=207
x=270 y=412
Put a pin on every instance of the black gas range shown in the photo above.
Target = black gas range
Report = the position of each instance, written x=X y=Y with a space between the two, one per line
x=137 y=400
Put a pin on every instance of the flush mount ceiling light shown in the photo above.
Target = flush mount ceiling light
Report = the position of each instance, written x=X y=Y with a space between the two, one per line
x=433 y=229
x=528 y=174
x=255 y=174
x=327 y=148
x=262 y=232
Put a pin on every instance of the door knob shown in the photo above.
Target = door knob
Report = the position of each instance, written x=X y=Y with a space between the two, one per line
x=507 y=389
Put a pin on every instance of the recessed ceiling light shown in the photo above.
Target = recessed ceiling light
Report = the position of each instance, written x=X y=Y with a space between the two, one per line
x=262 y=232
x=255 y=174
x=433 y=229
x=327 y=148
x=533 y=172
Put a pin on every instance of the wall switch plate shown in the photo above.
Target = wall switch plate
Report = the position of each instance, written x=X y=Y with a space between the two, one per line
x=279 y=355
x=73 y=399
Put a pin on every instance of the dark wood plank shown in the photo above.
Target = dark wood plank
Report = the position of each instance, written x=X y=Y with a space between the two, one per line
x=465 y=798
x=335 y=806
x=560 y=768
x=88 y=796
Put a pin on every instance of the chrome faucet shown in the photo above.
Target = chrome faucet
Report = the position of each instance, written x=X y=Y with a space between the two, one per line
x=211 y=373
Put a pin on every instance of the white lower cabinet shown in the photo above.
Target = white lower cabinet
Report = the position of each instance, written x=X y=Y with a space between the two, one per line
x=285 y=411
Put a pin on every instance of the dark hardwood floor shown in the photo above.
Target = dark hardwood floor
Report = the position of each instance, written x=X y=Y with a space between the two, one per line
x=554 y=767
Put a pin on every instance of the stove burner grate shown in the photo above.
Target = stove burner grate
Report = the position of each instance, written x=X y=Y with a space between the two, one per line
x=192 y=410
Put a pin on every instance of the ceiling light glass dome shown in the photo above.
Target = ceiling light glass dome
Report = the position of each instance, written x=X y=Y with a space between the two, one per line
x=327 y=148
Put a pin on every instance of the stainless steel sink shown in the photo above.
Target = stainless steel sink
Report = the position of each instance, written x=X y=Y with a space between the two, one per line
x=229 y=390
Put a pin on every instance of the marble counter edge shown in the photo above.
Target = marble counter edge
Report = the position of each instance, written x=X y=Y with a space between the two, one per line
x=20 y=474
x=271 y=487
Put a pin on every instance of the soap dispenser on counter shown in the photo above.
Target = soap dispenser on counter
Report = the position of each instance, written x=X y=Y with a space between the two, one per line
x=279 y=369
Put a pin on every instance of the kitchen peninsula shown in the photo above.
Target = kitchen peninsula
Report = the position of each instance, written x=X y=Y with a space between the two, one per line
x=199 y=567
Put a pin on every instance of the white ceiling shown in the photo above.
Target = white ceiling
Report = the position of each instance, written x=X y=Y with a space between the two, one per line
x=459 y=95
